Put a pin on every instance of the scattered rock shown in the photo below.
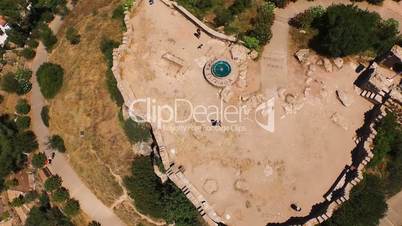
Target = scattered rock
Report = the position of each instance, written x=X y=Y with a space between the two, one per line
x=290 y=98
x=307 y=92
x=319 y=62
x=309 y=80
x=210 y=186
x=344 y=98
x=281 y=92
x=253 y=55
x=328 y=65
x=239 y=53
x=241 y=185
x=143 y=149
x=302 y=55
x=312 y=68
x=309 y=73
x=338 y=62
x=339 y=120
x=241 y=83
x=227 y=94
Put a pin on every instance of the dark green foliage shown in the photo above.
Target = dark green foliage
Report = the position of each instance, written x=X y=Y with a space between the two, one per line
x=1 y=99
x=366 y=205
x=72 y=207
x=159 y=200
x=31 y=196
x=13 y=144
x=23 y=107
x=45 y=34
x=94 y=223
x=223 y=17
x=50 y=79
x=346 y=30
x=73 y=36
x=280 y=3
x=118 y=14
x=46 y=216
x=19 y=201
x=56 y=142
x=375 y=2
x=305 y=20
x=44 y=114
x=23 y=77
x=23 y=122
x=9 y=83
x=263 y=22
x=53 y=183
x=199 y=7
x=60 y=195
x=135 y=131
x=33 y=43
x=28 y=53
x=39 y=160
x=107 y=47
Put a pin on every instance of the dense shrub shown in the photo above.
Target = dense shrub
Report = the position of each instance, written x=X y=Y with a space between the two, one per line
x=72 y=207
x=107 y=47
x=118 y=14
x=23 y=77
x=28 y=53
x=366 y=205
x=60 y=195
x=251 y=42
x=304 y=20
x=44 y=114
x=23 y=107
x=52 y=183
x=73 y=36
x=375 y=2
x=23 y=122
x=56 y=142
x=9 y=83
x=50 y=79
x=47 y=215
x=263 y=22
x=158 y=200
x=346 y=30
x=47 y=37
x=135 y=131
x=39 y=160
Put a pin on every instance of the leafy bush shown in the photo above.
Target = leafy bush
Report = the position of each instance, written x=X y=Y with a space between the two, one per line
x=135 y=131
x=118 y=14
x=304 y=20
x=159 y=200
x=31 y=196
x=56 y=142
x=73 y=36
x=9 y=83
x=366 y=205
x=18 y=201
x=50 y=79
x=107 y=47
x=263 y=22
x=32 y=43
x=251 y=42
x=346 y=30
x=44 y=114
x=39 y=160
x=23 y=77
x=60 y=195
x=72 y=207
x=28 y=53
x=52 y=183
x=23 y=122
x=375 y=2
x=46 y=215
x=47 y=37
x=23 y=107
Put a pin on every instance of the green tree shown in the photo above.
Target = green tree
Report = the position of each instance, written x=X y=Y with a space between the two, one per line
x=60 y=195
x=73 y=36
x=135 y=131
x=28 y=53
x=9 y=83
x=56 y=142
x=25 y=142
x=31 y=196
x=23 y=77
x=251 y=42
x=50 y=79
x=23 y=122
x=366 y=205
x=19 y=201
x=263 y=22
x=53 y=183
x=345 y=30
x=23 y=107
x=44 y=216
x=39 y=160
x=72 y=207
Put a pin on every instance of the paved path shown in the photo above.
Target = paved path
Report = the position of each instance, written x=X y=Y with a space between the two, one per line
x=90 y=204
x=394 y=214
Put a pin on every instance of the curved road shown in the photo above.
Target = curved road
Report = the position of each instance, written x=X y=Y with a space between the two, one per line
x=89 y=203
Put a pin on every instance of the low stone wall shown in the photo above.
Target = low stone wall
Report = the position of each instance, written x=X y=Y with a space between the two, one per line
x=173 y=172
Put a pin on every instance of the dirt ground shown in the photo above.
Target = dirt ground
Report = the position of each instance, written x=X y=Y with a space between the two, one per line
x=250 y=177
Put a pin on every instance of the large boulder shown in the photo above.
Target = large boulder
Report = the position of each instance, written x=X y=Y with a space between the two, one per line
x=338 y=62
x=328 y=65
x=302 y=55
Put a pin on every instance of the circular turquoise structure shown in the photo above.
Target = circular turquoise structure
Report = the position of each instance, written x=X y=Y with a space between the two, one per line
x=221 y=69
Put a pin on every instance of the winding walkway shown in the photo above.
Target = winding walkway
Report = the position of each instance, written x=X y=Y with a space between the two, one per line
x=90 y=204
